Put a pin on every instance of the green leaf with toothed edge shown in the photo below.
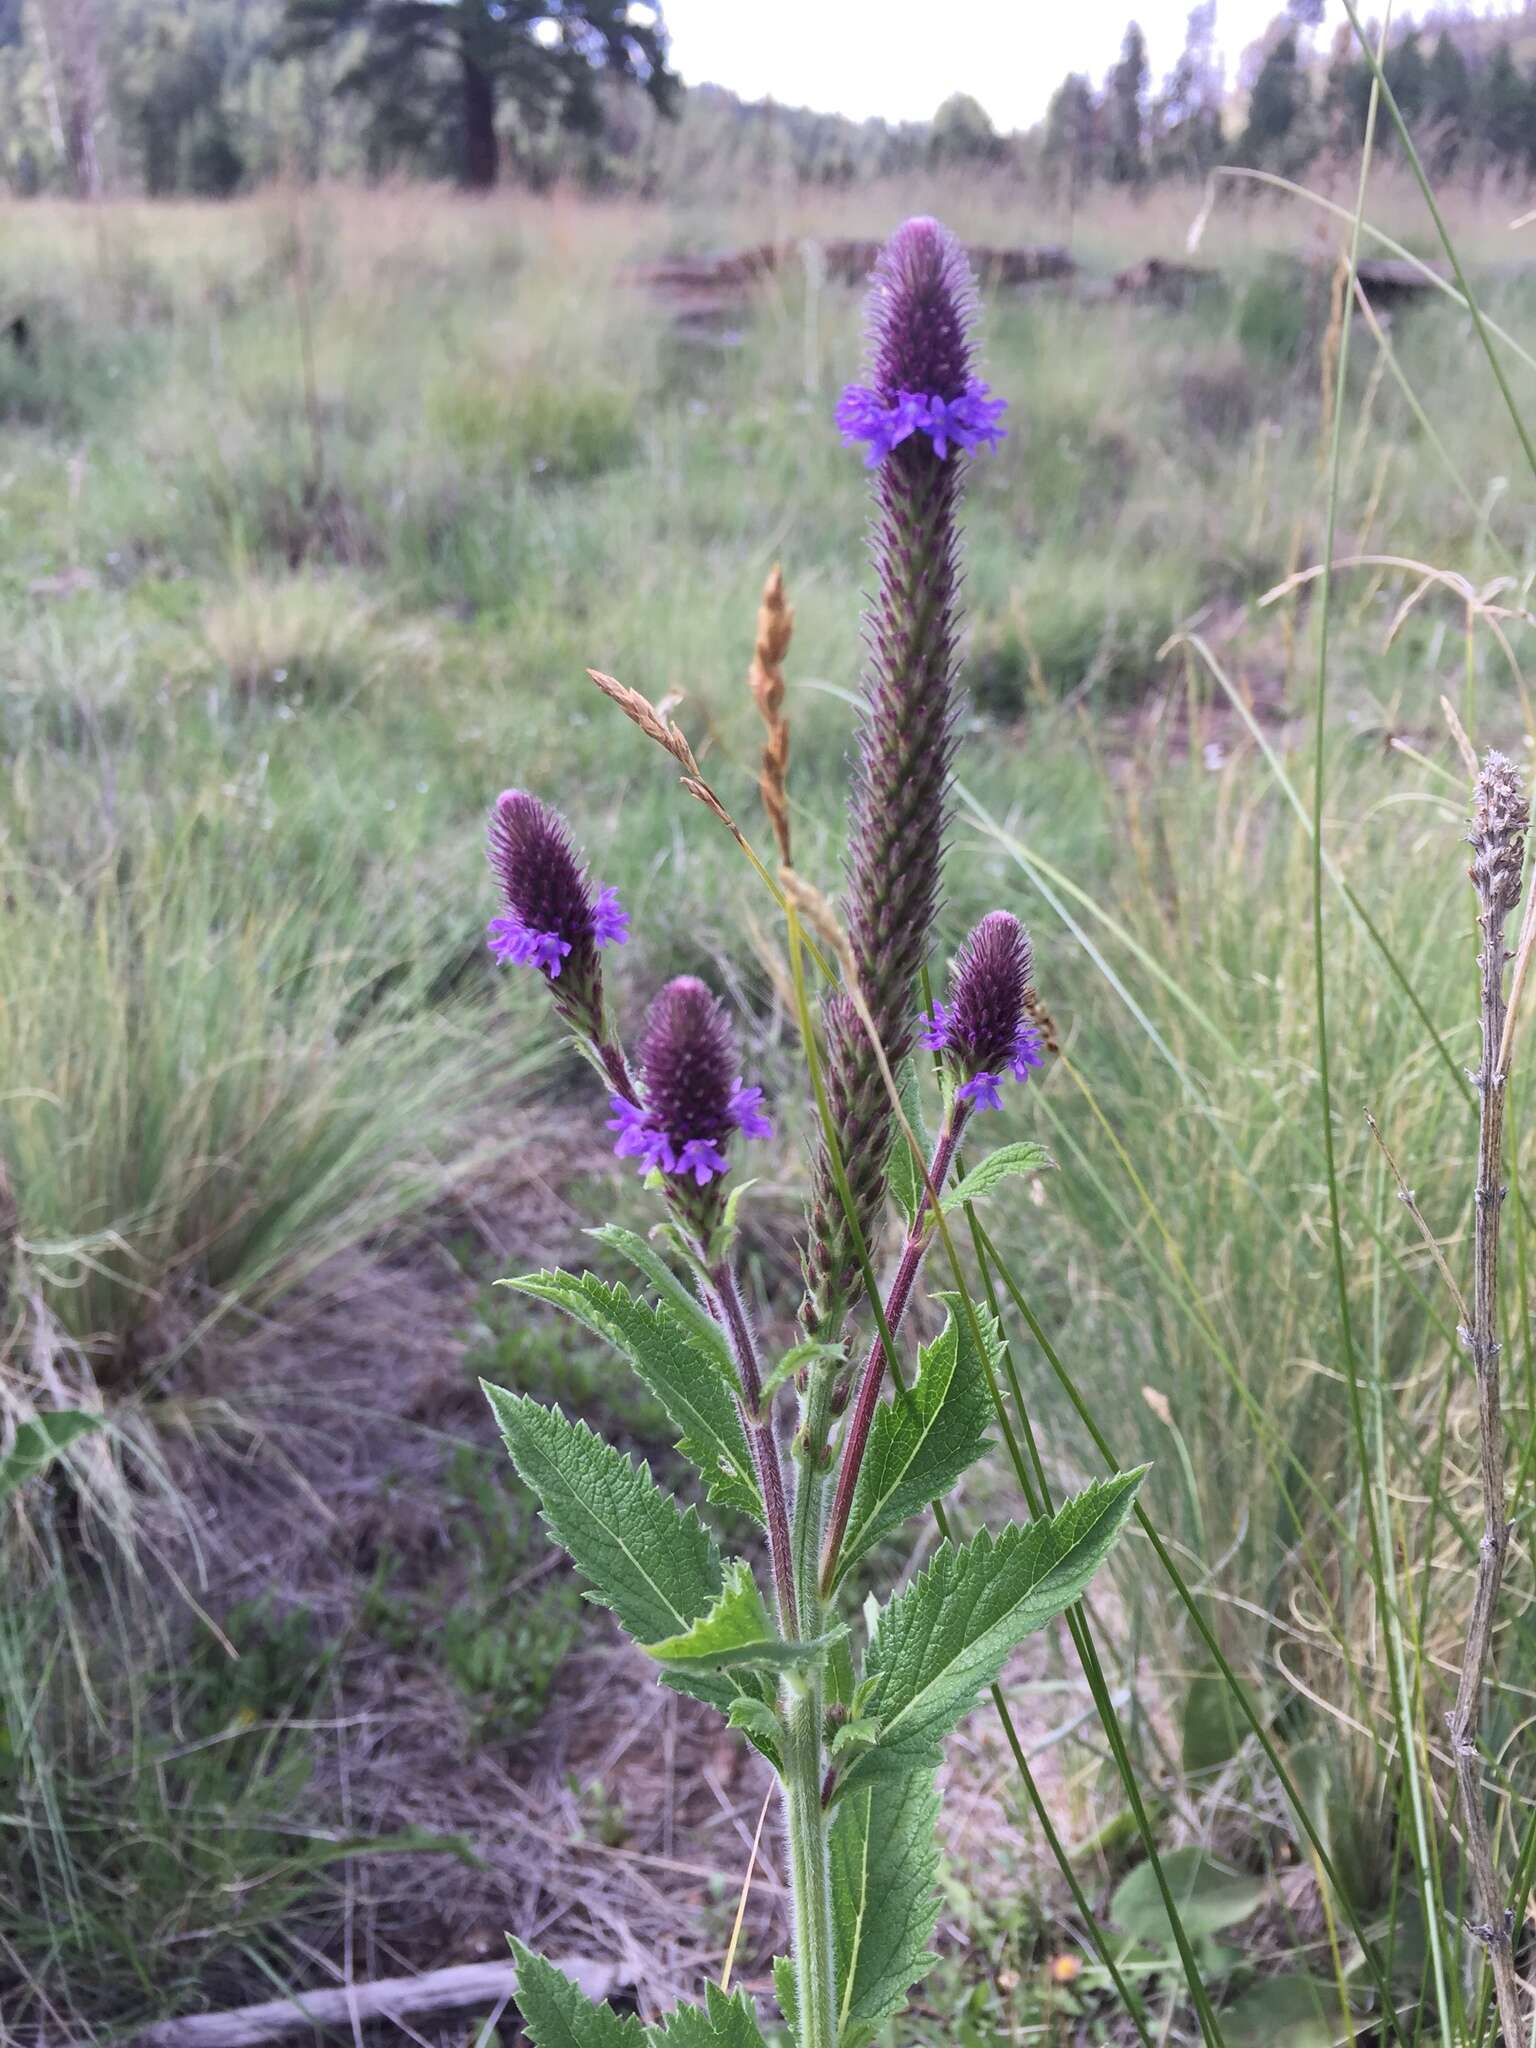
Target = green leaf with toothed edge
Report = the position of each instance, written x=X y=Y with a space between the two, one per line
x=685 y=1377
x=885 y=1863
x=738 y=1634
x=721 y=2023
x=908 y=1189
x=991 y=1172
x=924 y=1439
x=652 y=1562
x=647 y=1260
x=558 y=2014
x=787 y=1993
x=943 y=1640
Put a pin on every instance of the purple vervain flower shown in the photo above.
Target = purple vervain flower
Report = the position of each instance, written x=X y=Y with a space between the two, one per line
x=969 y=422
x=693 y=1098
x=921 y=311
x=863 y=415
x=982 y=1091
x=553 y=920
x=984 y=1028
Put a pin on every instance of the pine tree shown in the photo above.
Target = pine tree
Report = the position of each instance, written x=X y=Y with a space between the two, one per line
x=1507 y=115
x=1279 y=94
x=1069 y=152
x=1447 y=104
x=496 y=52
x=1407 y=74
x=1186 y=120
x=1125 y=106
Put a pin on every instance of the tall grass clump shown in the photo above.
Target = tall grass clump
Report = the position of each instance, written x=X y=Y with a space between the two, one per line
x=216 y=1081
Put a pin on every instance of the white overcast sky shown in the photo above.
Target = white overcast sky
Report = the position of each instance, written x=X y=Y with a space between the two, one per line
x=900 y=58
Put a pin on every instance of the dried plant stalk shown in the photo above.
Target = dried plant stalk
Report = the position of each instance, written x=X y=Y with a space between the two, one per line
x=1499 y=822
x=642 y=712
x=775 y=626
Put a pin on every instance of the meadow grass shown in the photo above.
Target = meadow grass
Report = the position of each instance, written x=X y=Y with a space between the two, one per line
x=316 y=509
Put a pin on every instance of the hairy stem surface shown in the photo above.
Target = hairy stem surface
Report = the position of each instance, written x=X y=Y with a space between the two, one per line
x=733 y=1318
x=1496 y=900
x=809 y=1869
x=867 y=1399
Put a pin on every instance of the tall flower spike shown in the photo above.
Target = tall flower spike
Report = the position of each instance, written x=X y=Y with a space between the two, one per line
x=693 y=1101
x=554 y=920
x=984 y=1030
x=922 y=308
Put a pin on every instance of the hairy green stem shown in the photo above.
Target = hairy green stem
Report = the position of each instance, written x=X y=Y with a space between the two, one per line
x=809 y=1871
x=806 y=1818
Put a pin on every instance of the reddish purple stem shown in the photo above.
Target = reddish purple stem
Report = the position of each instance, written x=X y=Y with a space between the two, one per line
x=732 y=1316
x=867 y=1399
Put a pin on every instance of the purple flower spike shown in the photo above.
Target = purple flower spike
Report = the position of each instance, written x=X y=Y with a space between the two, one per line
x=693 y=1099
x=982 y=1091
x=553 y=922
x=921 y=310
x=984 y=1030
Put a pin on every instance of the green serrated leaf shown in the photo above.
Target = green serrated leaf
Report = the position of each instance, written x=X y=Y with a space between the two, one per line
x=923 y=1440
x=905 y=1182
x=39 y=1441
x=785 y=1992
x=854 y=1736
x=944 y=1639
x=724 y=1235
x=722 y=2023
x=809 y=1351
x=653 y=1563
x=738 y=1634
x=756 y=1717
x=647 y=1260
x=685 y=1376
x=1006 y=1162
x=557 y=2014
x=885 y=1861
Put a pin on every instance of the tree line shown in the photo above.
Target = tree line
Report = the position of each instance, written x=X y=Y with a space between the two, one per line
x=1468 y=101
x=209 y=96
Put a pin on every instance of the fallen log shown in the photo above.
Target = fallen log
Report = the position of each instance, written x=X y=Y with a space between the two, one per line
x=1155 y=277
x=458 y=1989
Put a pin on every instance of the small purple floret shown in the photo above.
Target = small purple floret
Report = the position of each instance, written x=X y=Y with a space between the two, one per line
x=638 y=1138
x=610 y=920
x=982 y=1091
x=746 y=1109
x=935 y=1029
x=969 y=422
x=516 y=944
x=863 y=415
x=702 y=1158
x=1028 y=1052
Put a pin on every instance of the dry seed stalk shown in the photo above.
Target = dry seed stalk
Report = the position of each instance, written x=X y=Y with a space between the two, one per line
x=1499 y=822
x=775 y=626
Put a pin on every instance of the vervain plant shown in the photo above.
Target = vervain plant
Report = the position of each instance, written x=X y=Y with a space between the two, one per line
x=849 y=1703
